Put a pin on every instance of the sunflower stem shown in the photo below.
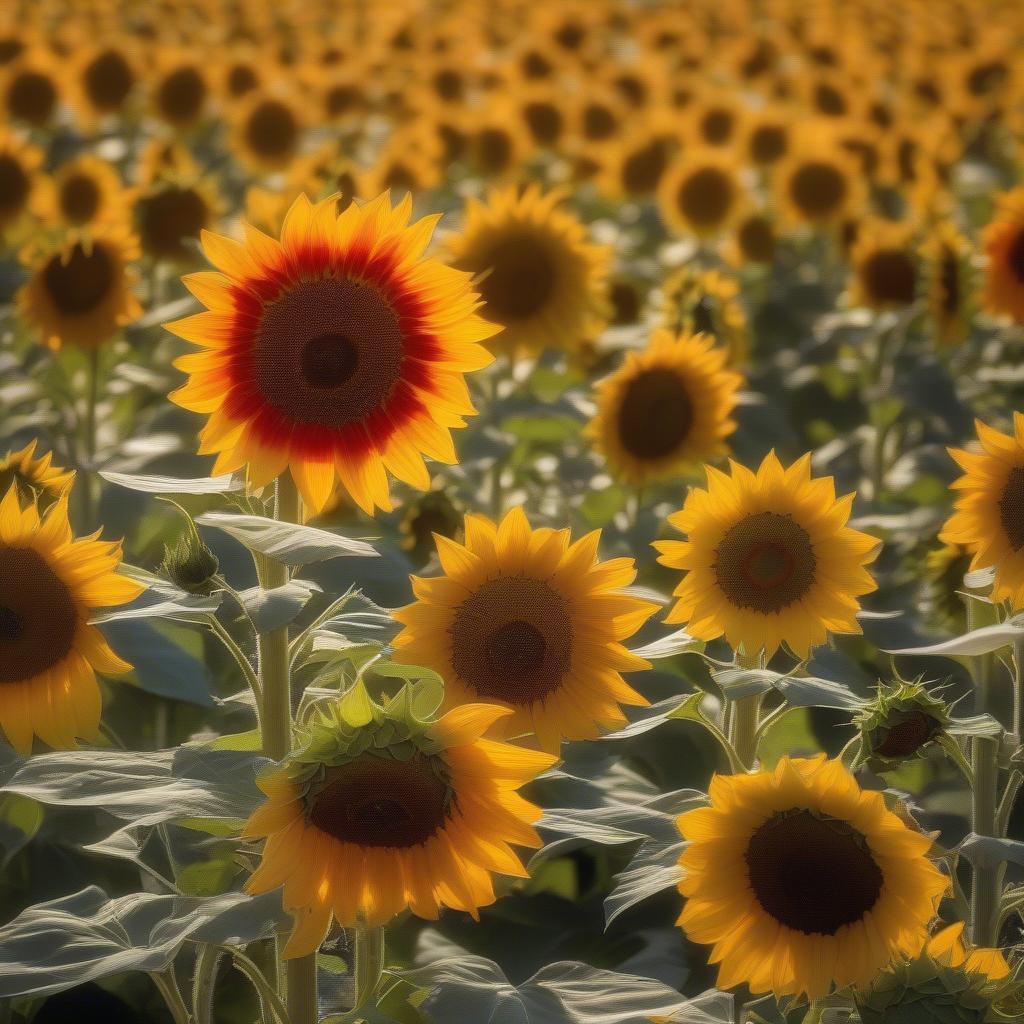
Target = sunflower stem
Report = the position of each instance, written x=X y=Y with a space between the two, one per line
x=276 y=726
x=369 y=964
x=167 y=984
x=985 y=880
x=85 y=485
x=1018 y=689
x=744 y=717
x=981 y=613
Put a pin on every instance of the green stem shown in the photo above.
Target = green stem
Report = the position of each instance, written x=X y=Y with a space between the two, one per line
x=369 y=964
x=85 y=485
x=979 y=614
x=985 y=880
x=745 y=717
x=270 y=1002
x=276 y=726
x=167 y=984
x=1018 y=689
x=240 y=659
x=204 y=983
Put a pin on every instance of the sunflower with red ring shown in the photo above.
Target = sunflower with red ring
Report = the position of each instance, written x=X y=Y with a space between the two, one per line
x=337 y=352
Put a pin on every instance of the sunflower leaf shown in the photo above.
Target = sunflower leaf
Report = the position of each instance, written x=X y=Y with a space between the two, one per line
x=973 y=643
x=174 y=485
x=290 y=543
x=277 y=607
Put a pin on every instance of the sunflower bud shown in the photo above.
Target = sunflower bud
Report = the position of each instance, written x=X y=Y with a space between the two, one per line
x=900 y=722
x=190 y=564
x=946 y=984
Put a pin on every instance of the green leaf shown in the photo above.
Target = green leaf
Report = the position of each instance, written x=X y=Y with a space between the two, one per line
x=973 y=643
x=290 y=543
x=675 y=643
x=356 y=707
x=272 y=609
x=174 y=485
x=20 y=818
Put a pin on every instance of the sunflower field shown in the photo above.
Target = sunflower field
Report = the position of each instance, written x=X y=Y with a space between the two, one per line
x=511 y=512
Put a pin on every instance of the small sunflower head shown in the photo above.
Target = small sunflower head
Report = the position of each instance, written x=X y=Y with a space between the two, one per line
x=433 y=513
x=900 y=722
x=946 y=984
x=190 y=564
x=34 y=478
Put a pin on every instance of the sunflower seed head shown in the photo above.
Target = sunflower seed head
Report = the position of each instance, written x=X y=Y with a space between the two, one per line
x=901 y=720
x=191 y=565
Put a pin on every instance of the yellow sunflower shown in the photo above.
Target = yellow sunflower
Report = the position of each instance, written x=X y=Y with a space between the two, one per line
x=753 y=241
x=802 y=882
x=884 y=265
x=338 y=352
x=635 y=166
x=33 y=479
x=49 y=586
x=538 y=276
x=949 y=280
x=81 y=292
x=1004 y=246
x=702 y=194
x=388 y=810
x=19 y=179
x=103 y=78
x=767 y=137
x=667 y=409
x=171 y=214
x=769 y=559
x=706 y=302
x=525 y=619
x=818 y=182
x=989 y=516
x=30 y=88
x=179 y=88
x=82 y=191
x=267 y=131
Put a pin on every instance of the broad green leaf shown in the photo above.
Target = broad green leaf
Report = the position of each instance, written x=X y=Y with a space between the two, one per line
x=974 y=643
x=272 y=609
x=290 y=543
x=174 y=485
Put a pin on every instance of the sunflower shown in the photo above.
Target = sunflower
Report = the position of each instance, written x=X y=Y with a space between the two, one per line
x=30 y=89
x=989 y=516
x=753 y=241
x=243 y=72
x=33 y=479
x=538 y=276
x=171 y=214
x=769 y=559
x=542 y=114
x=386 y=810
x=338 y=352
x=83 y=191
x=801 y=881
x=103 y=78
x=1004 y=246
x=706 y=302
x=884 y=266
x=949 y=280
x=635 y=166
x=767 y=136
x=180 y=91
x=19 y=179
x=497 y=144
x=818 y=183
x=525 y=619
x=267 y=131
x=666 y=409
x=80 y=292
x=49 y=586
x=715 y=119
x=702 y=194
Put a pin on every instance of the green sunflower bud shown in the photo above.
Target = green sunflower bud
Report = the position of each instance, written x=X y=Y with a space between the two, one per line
x=190 y=564
x=900 y=722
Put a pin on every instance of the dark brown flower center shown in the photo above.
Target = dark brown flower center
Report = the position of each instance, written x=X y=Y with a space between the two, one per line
x=448 y=85
x=493 y=150
x=379 y=801
x=168 y=218
x=625 y=300
x=765 y=562
x=812 y=874
x=1015 y=257
x=340 y=99
x=10 y=47
x=656 y=414
x=890 y=277
x=328 y=352
x=108 y=79
x=79 y=198
x=14 y=185
x=1011 y=508
x=598 y=122
x=544 y=121
x=949 y=283
x=702 y=315
x=706 y=196
x=717 y=126
x=272 y=130
x=757 y=240
x=38 y=618
x=908 y=736
x=31 y=96
x=768 y=143
x=242 y=79
x=521 y=279
x=829 y=100
x=180 y=96
x=817 y=188
x=512 y=639
x=987 y=78
x=81 y=283
x=642 y=170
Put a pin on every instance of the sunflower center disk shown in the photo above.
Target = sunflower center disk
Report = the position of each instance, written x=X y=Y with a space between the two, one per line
x=1015 y=257
x=328 y=352
x=108 y=80
x=168 y=217
x=272 y=130
x=907 y=737
x=1011 y=508
x=811 y=874
x=32 y=97
x=818 y=188
x=79 y=198
x=949 y=280
x=890 y=277
x=705 y=196
x=379 y=801
x=82 y=283
x=512 y=640
x=38 y=619
x=13 y=185
x=765 y=562
x=181 y=94
x=656 y=414
x=521 y=281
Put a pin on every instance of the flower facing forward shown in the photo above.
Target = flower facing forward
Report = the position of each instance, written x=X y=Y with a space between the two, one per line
x=532 y=621
x=1004 y=246
x=388 y=808
x=989 y=516
x=801 y=881
x=769 y=559
x=50 y=585
x=337 y=352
